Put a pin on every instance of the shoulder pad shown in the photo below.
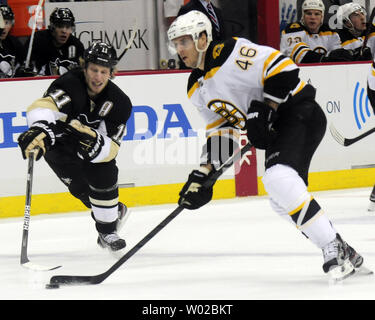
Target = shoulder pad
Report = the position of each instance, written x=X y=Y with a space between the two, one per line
x=293 y=27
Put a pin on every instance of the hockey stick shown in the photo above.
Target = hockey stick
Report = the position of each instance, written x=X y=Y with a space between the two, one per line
x=25 y=262
x=347 y=141
x=58 y=280
x=28 y=56
x=130 y=41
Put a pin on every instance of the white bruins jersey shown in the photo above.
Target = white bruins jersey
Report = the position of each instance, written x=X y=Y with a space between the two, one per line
x=304 y=47
x=350 y=42
x=238 y=71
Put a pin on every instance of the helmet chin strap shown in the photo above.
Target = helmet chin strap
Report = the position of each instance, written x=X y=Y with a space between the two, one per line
x=200 y=55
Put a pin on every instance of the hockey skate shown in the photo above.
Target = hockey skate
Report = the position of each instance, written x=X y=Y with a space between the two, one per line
x=371 y=207
x=337 y=262
x=123 y=215
x=112 y=240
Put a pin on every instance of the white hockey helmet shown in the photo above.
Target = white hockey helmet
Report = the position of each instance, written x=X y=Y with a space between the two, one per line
x=344 y=12
x=192 y=23
x=2 y=23
x=312 y=5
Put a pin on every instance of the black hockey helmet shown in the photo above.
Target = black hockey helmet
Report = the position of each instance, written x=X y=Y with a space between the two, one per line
x=101 y=53
x=61 y=16
x=7 y=12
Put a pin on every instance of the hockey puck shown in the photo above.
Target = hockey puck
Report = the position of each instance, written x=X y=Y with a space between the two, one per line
x=52 y=286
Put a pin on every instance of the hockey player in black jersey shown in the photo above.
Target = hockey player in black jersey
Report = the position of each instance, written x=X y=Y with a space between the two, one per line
x=78 y=126
x=239 y=85
x=56 y=50
x=12 y=52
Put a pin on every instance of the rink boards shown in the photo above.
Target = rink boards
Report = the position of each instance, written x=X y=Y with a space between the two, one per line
x=164 y=135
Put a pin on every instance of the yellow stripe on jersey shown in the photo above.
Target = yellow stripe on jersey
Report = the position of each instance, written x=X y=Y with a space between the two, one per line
x=347 y=42
x=282 y=66
x=211 y=73
x=46 y=103
x=298 y=46
x=299 y=56
x=208 y=75
x=225 y=131
x=299 y=87
x=373 y=71
x=268 y=61
x=192 y=89
x=325 y=33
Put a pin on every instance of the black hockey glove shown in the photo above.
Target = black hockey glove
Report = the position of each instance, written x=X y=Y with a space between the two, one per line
x=89 y=142
x=339 y=55
x=259 y=124
x=41 y=134
x=363 y=54
x=193 y=195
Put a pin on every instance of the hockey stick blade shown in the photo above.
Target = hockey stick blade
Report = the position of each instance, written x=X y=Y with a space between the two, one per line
x=348 y=141
x=37 y=267
x=96 y=279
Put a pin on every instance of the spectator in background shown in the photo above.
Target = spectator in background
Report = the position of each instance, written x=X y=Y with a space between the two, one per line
x=12 y=53
x=212 y=12
x=355 y=33
x=310 y=40
x=331 y=7
x=56 y=50
x=171 y=8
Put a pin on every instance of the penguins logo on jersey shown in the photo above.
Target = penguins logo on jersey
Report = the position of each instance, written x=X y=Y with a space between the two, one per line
x=59 y=67
x=228 y=111
x=7 y=63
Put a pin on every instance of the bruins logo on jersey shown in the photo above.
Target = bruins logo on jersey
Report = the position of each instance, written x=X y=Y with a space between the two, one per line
x=217 y=50
x=228 y=111
x=321 y=50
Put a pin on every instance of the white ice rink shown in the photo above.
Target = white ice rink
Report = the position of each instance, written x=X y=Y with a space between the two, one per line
x=236 y=249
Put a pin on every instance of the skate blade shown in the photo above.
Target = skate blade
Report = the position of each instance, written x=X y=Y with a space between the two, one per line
x=362 y=270
x=341 y=272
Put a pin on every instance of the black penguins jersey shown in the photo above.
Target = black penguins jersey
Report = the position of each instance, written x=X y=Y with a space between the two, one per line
x=236 y=72
x=51 y=60
x=67 y=99
x=304 y=47
x=12 y=55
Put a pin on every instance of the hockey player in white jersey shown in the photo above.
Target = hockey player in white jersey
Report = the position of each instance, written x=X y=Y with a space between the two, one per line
x=371 y=96
x=311 y=41
x=239 y=85
x=355 y=34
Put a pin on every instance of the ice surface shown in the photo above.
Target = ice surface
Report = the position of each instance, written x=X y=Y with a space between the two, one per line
x=236 y=249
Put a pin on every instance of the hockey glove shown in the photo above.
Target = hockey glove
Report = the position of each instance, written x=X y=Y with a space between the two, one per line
x=339 y=55
x=259 y=124
x=41 y=134
x=362 y=54
x=89 y=141
x=193 y=195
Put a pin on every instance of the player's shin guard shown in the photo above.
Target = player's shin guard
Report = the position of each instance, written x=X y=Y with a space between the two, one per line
x=105 y=211
x=287 y=189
